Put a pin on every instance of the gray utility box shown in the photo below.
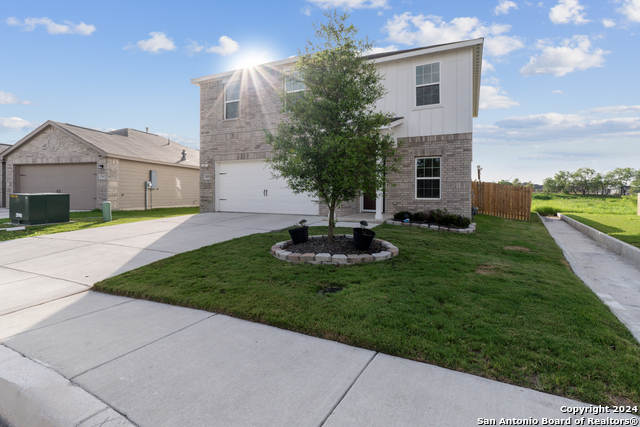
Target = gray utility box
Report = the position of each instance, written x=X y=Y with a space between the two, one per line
x=38 y=208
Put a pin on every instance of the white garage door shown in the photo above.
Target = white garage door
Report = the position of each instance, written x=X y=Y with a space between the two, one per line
x=76 y=179
x=247 y=186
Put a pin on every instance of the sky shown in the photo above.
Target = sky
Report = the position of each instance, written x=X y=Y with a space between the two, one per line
x=559 y=90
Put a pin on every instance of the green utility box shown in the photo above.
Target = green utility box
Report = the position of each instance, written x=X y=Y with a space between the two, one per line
x=38 y=208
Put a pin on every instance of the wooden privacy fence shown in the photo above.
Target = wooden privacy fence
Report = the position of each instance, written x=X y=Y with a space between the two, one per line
x=504 y=201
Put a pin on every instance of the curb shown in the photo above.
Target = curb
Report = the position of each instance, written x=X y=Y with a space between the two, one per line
x=616 y=246
x=32 y=394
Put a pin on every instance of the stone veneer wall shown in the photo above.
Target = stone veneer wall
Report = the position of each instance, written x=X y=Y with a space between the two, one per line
x=455 y=190
x=241 y=138
x=38 y=151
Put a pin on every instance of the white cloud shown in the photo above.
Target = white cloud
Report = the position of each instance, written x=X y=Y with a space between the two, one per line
x=558 y=91
x=7 y=98
x=608 y=23
x=226 y=46
x=16 y=123
x=390 y=48
x=350 y=4
x=183 y=140
x=573 y=54
x=491 y=97
x=30 y=24
x=193 y=47
x=568 y=11
x=486 y=66
x=430 y=30
x=158 y=41
x=548 y=128
x=617 y=109
x=503 y=7
x=631 y=9
x=306 y=10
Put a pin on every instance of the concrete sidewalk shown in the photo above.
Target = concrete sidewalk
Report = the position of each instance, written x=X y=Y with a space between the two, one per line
x=613 y=278
x=73 y=357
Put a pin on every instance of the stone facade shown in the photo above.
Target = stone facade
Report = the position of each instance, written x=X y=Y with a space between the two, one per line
x=455 y=156
x=241 y=138
x=261 y=108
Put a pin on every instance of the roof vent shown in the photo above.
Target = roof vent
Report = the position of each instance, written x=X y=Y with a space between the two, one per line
x=147 y=130
x=184 y=156
x=168 y=141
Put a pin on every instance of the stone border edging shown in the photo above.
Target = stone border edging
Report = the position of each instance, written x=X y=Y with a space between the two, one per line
x=279 y=251
x=619 y=247
x=470 y=229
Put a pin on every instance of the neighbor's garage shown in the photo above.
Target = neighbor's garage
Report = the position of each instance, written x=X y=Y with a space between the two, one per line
x=248 y=186
x=76 y=179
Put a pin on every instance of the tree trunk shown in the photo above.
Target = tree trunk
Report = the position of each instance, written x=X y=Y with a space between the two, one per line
x=332 y=221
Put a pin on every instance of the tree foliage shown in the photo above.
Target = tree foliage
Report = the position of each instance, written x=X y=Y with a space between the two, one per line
x=331 y=145
x=588 y=181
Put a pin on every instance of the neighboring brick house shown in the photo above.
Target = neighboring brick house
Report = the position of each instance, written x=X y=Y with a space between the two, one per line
x=94 y=166
x=3 y=147
x=433 y=92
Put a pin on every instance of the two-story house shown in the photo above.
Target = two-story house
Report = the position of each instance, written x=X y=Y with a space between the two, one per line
x=433 y=93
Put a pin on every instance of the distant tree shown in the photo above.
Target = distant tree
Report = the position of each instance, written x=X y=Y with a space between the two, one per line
x=583 y=180
x=504 y=182
x=635 y=184
x=549 y=186
x=563 y=181
x=330 y=145
x=621 y=178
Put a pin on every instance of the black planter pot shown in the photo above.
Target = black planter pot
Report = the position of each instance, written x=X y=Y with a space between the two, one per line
x=362 y=238
x=299 y=235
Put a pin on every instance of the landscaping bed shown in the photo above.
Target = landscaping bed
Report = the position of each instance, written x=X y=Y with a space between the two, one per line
x=501 y=303
x=340 y=245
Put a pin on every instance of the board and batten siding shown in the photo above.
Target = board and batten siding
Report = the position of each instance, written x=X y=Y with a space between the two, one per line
x=454 y=113
x=177 y=186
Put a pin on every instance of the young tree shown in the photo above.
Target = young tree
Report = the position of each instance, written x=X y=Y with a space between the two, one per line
x=331 y=145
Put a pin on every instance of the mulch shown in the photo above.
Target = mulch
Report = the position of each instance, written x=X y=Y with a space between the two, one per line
x=340 y=245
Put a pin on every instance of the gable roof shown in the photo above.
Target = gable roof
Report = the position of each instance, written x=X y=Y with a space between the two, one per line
x=475 y=44
x=4 y=147
x=126 y=144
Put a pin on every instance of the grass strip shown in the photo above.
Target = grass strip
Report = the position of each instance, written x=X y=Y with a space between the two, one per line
x=501 y=303
x=92 y=219
x=622 y=227
x=551 y=204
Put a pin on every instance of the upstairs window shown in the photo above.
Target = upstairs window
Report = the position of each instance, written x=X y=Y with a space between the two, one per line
x=232 y=101
x=428 y=84
x=428 y=178
x=294 y=88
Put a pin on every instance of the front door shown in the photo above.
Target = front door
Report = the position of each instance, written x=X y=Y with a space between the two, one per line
x=369 y=204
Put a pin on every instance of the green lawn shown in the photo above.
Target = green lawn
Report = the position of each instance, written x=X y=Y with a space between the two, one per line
x=578 y=203
x=91 y=219
x=622 y=227
x=501 y=303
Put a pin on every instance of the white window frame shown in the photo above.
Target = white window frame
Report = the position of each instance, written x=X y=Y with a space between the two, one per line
x=416 y=85
x=226 y=102
x=416 y=179
x=287 y=91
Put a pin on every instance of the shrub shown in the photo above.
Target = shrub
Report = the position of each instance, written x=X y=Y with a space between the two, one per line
x=400 y=216
x=420 y=216
x=547 y=211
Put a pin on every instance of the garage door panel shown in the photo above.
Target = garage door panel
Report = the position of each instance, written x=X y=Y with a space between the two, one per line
x=249 y=186
x=78 y=180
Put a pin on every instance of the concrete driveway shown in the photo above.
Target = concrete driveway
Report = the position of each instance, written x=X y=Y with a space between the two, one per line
x=74 y=357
